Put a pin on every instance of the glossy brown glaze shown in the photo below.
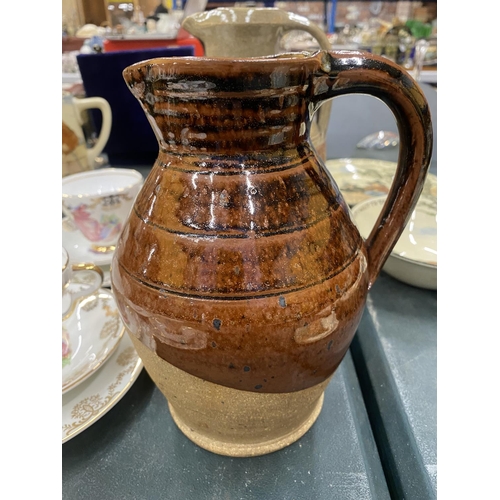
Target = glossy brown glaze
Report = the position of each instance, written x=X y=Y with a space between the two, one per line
x=239 y=263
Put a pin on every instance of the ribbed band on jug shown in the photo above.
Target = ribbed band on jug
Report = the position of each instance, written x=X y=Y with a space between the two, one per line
x=239 y=111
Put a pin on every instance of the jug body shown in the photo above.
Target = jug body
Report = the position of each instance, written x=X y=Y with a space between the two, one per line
x=239 y=275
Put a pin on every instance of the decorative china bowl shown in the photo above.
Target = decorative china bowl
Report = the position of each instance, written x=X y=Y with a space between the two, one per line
x=414 y=257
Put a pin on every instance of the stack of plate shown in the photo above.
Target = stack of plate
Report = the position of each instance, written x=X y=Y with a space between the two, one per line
x=365 y=183
x=99 y=362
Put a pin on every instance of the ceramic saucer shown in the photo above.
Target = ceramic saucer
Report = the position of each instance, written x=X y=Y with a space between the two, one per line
x=90 y=335
x=79 y=249
x=360 y=179
x=88 y=402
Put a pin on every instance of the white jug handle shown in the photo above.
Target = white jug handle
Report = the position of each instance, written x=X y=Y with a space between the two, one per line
x=103 y=105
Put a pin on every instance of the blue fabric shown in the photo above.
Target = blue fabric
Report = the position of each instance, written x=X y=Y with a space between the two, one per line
x=132 y=140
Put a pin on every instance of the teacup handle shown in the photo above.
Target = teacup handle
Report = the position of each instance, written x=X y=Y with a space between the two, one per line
x=359 y=72
x=98 y=278
x=105 y=108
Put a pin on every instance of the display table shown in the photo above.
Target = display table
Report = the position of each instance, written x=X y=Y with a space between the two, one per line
x=395 y=352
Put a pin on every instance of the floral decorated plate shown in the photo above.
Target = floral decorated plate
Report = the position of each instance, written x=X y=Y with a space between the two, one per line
x=360 y=179
x=88 y=402
x=79 y=251
x=90 y=335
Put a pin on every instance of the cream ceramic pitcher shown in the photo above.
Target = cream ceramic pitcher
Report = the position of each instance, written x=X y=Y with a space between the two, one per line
x=243 y=32
x=76 y=156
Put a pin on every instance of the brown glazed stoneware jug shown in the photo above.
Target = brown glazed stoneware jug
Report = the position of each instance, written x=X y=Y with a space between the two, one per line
x=239 y=32
x=239 y=275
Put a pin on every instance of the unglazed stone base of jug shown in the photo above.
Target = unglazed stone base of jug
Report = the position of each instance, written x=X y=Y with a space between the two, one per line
x=239 y=272
x=228 y=421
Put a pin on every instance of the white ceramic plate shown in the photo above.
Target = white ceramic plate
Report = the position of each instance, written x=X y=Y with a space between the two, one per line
x=88 y=402
x=89 y=337
x=414 y=257
x=360 y=179
x=79 y=249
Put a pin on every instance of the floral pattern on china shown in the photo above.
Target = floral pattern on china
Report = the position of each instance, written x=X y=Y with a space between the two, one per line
x=107 y=228
x=66 y=348
x=362 y=178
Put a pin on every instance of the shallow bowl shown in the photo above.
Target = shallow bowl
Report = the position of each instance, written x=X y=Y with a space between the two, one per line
x=413 y=259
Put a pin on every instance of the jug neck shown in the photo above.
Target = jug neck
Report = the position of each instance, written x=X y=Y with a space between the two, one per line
x=233 y=108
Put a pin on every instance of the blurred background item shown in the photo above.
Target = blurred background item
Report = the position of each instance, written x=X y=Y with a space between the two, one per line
x=77 y=154
x=92 y=30
x=131 y=139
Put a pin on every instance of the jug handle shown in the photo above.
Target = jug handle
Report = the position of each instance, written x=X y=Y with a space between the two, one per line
x=102 y=105
x=360 y=72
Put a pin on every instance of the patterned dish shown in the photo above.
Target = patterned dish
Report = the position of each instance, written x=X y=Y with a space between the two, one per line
x=360 y=179
x=76 y=245
x=87 y=403
x=89 y=337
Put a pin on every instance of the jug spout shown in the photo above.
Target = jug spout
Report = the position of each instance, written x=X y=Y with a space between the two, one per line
x=222 y=105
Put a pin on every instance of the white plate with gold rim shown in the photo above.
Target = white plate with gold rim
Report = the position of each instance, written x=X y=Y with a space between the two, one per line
x=78 y=249
x=87 y=403
x=90 y=334
x=360 y=179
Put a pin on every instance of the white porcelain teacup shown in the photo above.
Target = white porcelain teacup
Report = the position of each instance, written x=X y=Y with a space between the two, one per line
x=78 y=281
x=99 y=203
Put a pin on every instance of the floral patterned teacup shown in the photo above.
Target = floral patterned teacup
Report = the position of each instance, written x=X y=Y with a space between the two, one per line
x=99 y=203
x=78 y=281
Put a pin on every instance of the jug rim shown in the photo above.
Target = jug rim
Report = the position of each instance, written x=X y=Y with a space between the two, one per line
x=284 y=56
x=259 y=64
